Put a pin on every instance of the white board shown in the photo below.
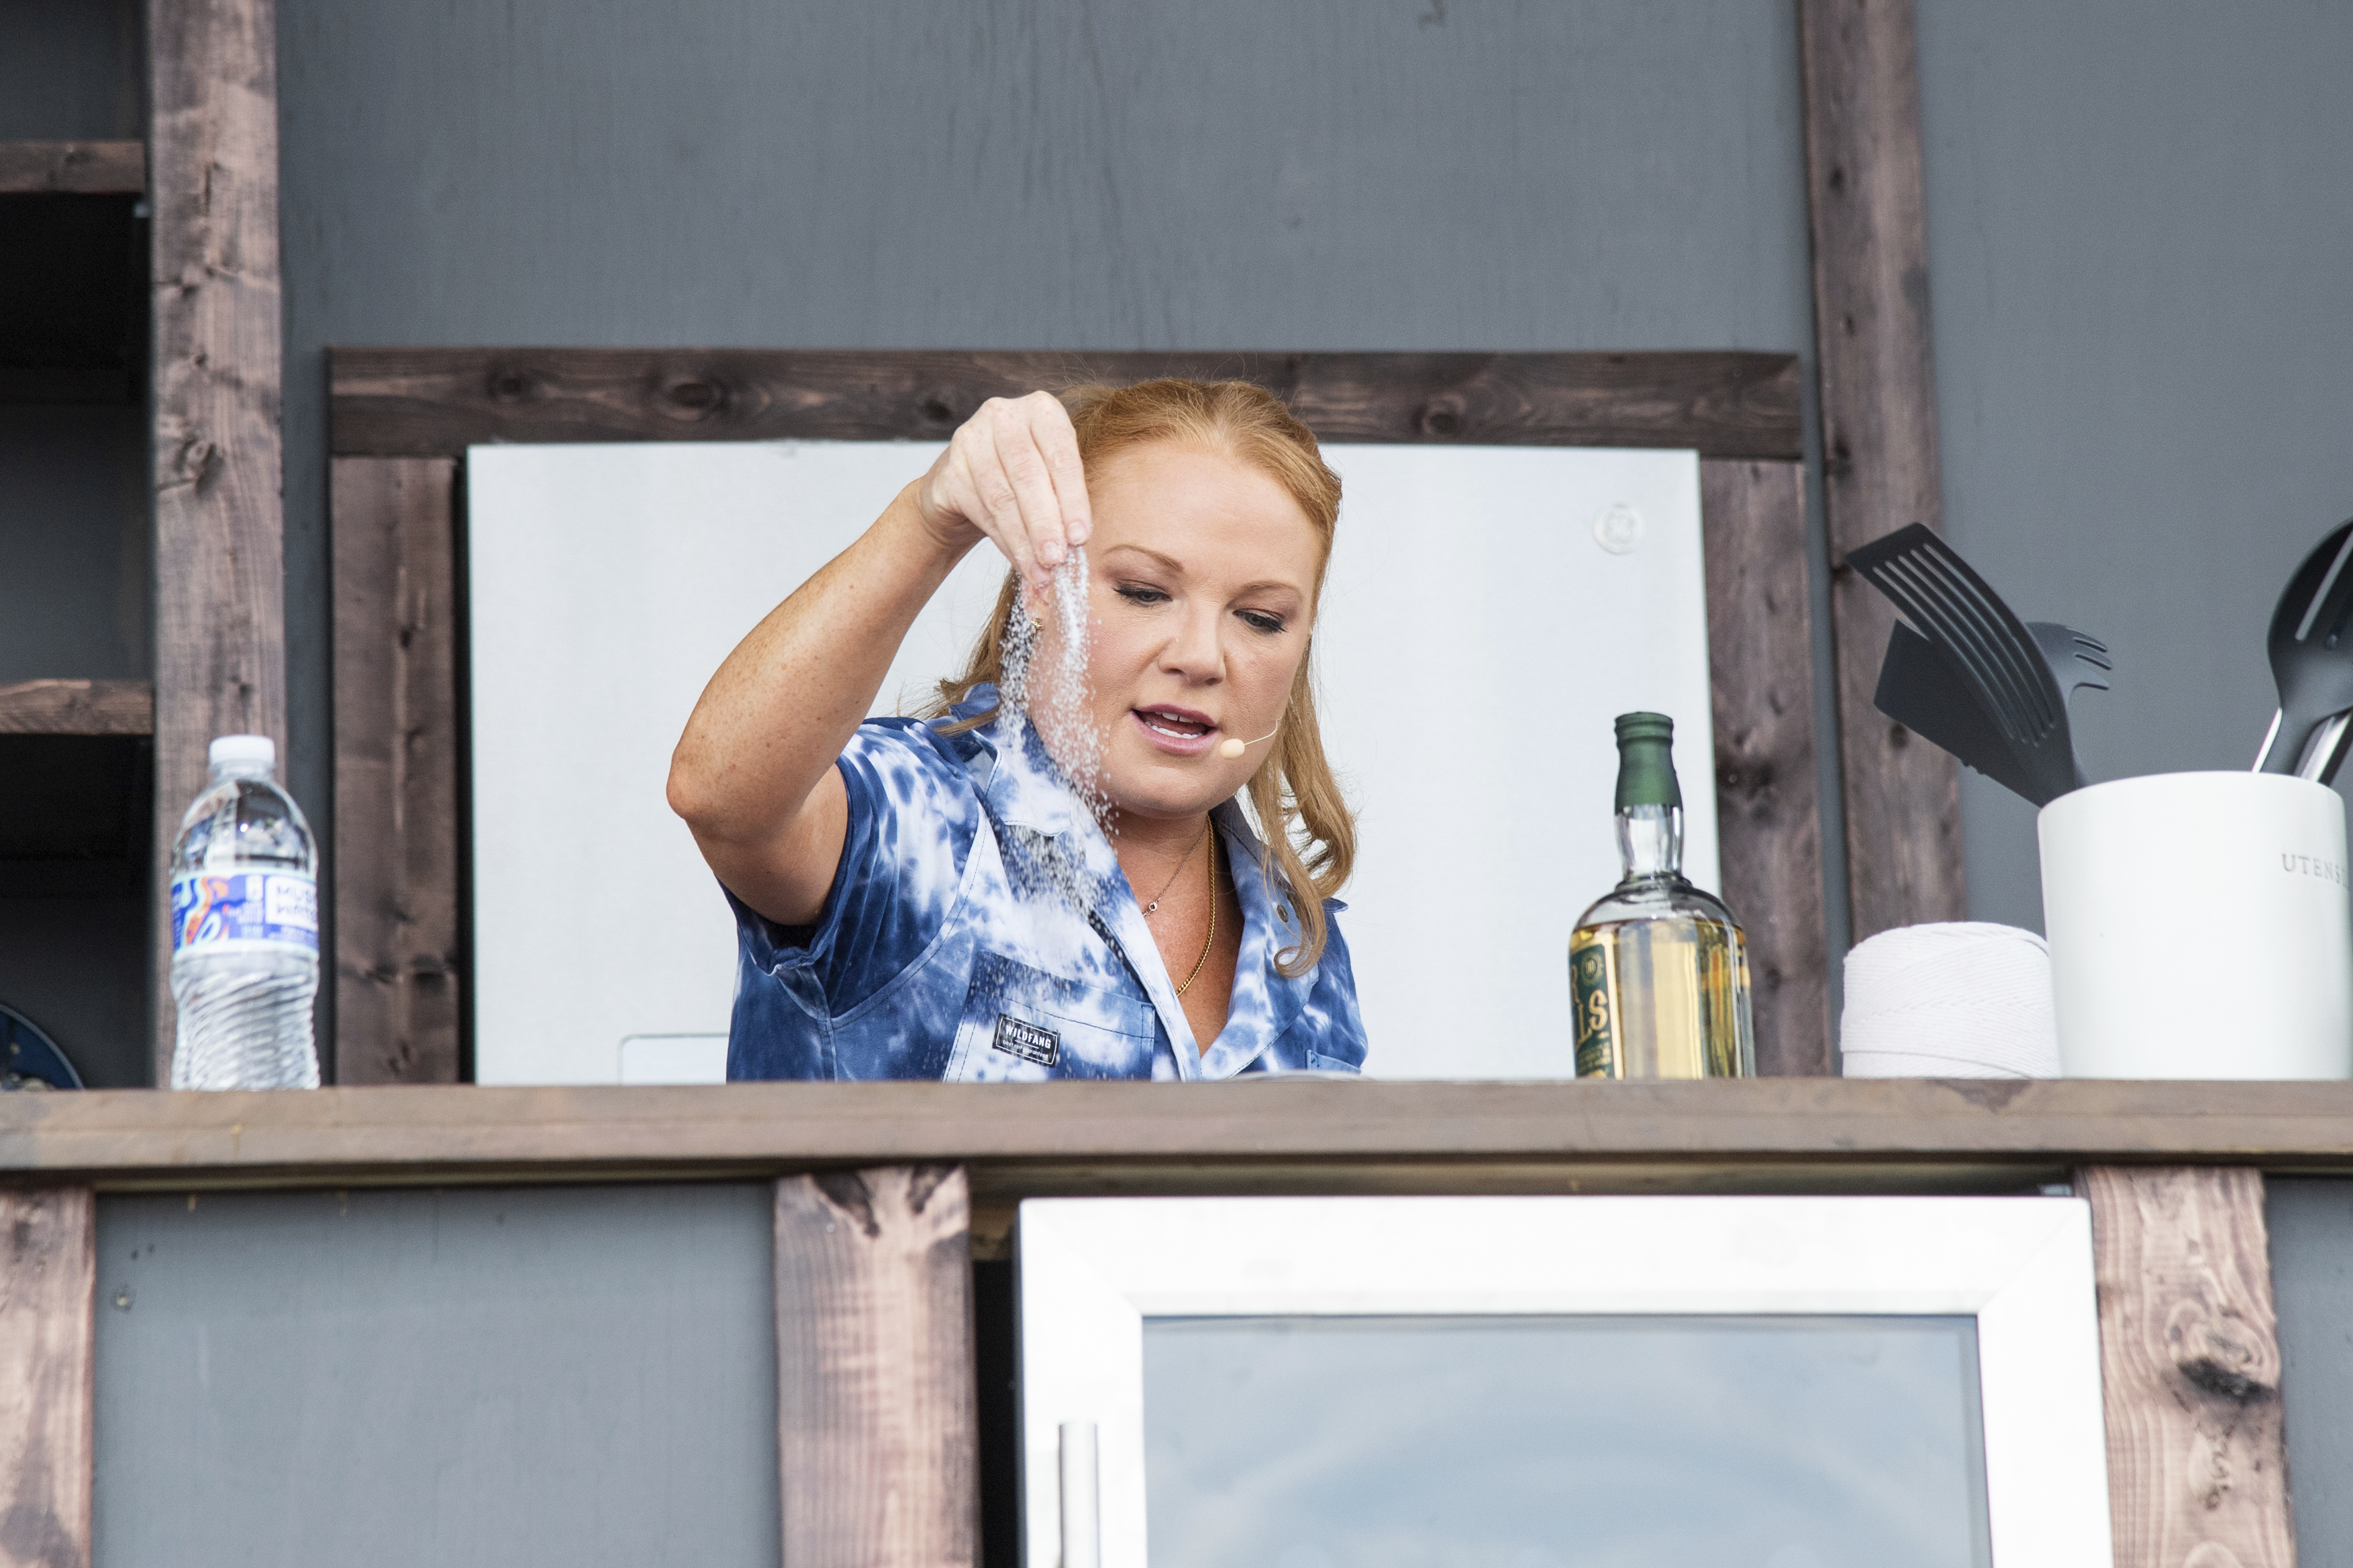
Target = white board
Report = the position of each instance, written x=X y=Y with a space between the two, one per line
x=1476 y=638
x=1475 y=642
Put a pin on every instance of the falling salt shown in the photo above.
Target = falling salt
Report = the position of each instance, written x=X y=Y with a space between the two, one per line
x=1055 y=697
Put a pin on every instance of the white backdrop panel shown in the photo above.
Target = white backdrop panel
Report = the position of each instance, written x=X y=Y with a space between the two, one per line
x=1476 y=640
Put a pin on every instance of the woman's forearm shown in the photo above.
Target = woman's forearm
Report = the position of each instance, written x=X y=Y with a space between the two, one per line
x=769 y=726
x=752 y=775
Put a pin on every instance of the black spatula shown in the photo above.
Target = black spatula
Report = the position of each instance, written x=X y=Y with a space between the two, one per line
x=2312 y=657
x=1926 y=692
x=1994 y=655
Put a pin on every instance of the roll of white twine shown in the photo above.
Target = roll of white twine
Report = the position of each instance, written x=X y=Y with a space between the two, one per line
x=1960 y=1000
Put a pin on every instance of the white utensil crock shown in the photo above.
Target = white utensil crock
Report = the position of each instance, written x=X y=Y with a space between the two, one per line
x=2200 y=927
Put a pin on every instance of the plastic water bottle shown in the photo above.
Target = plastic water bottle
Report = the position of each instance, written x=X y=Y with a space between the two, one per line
x=245 y=929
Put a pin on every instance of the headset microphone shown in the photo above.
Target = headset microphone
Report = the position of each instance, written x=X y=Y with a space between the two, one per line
x=1231 y=748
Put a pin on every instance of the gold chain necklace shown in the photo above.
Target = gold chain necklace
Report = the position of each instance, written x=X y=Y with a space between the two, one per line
x=1211 y=940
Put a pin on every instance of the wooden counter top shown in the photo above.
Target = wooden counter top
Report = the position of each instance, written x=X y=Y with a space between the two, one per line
x=1300 y=1135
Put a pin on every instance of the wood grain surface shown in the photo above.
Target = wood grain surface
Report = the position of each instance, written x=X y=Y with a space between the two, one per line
x=48 y=1285
x=398 y=959
x=1286 y=1134
x=2189 y=1363
x=877 y=1434
x=220 y=580
x=75 y=168
x=76 y=708
x=427 y=402
x=1768 y=813
x=1878 y=435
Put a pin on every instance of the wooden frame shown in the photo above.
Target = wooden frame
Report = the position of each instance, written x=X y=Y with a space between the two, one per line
x=76 y=708
x=2189 y=1350
x=878 y=1443
x=397 y=891
x=1901 y=799
x=73 y=168
x=396 y=954
x=216 y=363
x=49 y=1257
x=1290 y=1135
x=419 y=402
x=1094 y=1269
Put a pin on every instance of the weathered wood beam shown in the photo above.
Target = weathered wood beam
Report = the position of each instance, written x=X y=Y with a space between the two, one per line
x=438 y=402
x=876 y=1427
x=1779 y=1134
x=73 y=168
x=2189 y=1363
x=397 y=964
x=1767 y=806
x=1878 y=435
x=220 y=641
x=76 y=708
x=48 y=1285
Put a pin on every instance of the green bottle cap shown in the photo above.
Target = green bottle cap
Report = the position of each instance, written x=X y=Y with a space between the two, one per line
x=1646 y=761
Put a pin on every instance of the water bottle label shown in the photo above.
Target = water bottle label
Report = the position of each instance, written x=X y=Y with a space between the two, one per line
x=250 y=910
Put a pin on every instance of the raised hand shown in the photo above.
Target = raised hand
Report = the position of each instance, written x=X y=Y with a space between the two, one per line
x=1011 y=473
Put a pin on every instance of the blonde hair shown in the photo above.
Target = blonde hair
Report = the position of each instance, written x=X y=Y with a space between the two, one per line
x=1310 y=837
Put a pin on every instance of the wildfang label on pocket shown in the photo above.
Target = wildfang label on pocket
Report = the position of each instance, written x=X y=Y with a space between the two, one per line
x=1020 y=1037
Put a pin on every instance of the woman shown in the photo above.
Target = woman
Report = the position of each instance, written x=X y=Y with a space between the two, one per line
x=930 y=898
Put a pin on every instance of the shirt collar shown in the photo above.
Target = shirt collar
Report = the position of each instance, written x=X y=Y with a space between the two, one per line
x=1025 y=788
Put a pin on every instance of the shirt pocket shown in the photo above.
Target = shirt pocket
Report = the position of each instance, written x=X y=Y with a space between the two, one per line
x=1022 y=1025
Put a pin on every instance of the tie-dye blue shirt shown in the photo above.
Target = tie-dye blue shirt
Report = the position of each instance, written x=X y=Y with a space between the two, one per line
x=946 y=948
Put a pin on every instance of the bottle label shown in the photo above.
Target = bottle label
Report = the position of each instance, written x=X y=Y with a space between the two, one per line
x=1588 y=971
x=247 y=911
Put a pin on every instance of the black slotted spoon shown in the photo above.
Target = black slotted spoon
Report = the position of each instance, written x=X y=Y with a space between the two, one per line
x=2311 y=653
x=1997 y=657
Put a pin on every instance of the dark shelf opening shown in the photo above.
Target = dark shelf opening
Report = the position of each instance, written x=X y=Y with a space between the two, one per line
x=74 y=271
x=75 y=815
x=74 y=899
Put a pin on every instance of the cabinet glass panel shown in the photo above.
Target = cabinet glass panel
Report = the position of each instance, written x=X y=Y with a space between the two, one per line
x=1567 y=1442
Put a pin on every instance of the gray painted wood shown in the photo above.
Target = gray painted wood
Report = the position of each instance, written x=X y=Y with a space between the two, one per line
x=2311 y=1224
x=71 y=71
x=74 y=598
x=1021 y=174
x=505 y=1378
x=2137 y=223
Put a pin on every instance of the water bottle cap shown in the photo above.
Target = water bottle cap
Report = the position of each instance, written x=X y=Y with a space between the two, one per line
x=243 y=751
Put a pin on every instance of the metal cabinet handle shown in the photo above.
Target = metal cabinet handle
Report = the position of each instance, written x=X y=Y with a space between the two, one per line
x=1082 y=1526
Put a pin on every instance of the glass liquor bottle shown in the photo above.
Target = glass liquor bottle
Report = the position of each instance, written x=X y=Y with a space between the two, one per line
x=1657 y=970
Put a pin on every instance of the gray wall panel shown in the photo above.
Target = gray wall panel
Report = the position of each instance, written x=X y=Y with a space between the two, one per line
x=2312 y=1275
x=1055 y=174
x=74 y=533
x=501 y=1377
x=70 y=70
x=2138 y=220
